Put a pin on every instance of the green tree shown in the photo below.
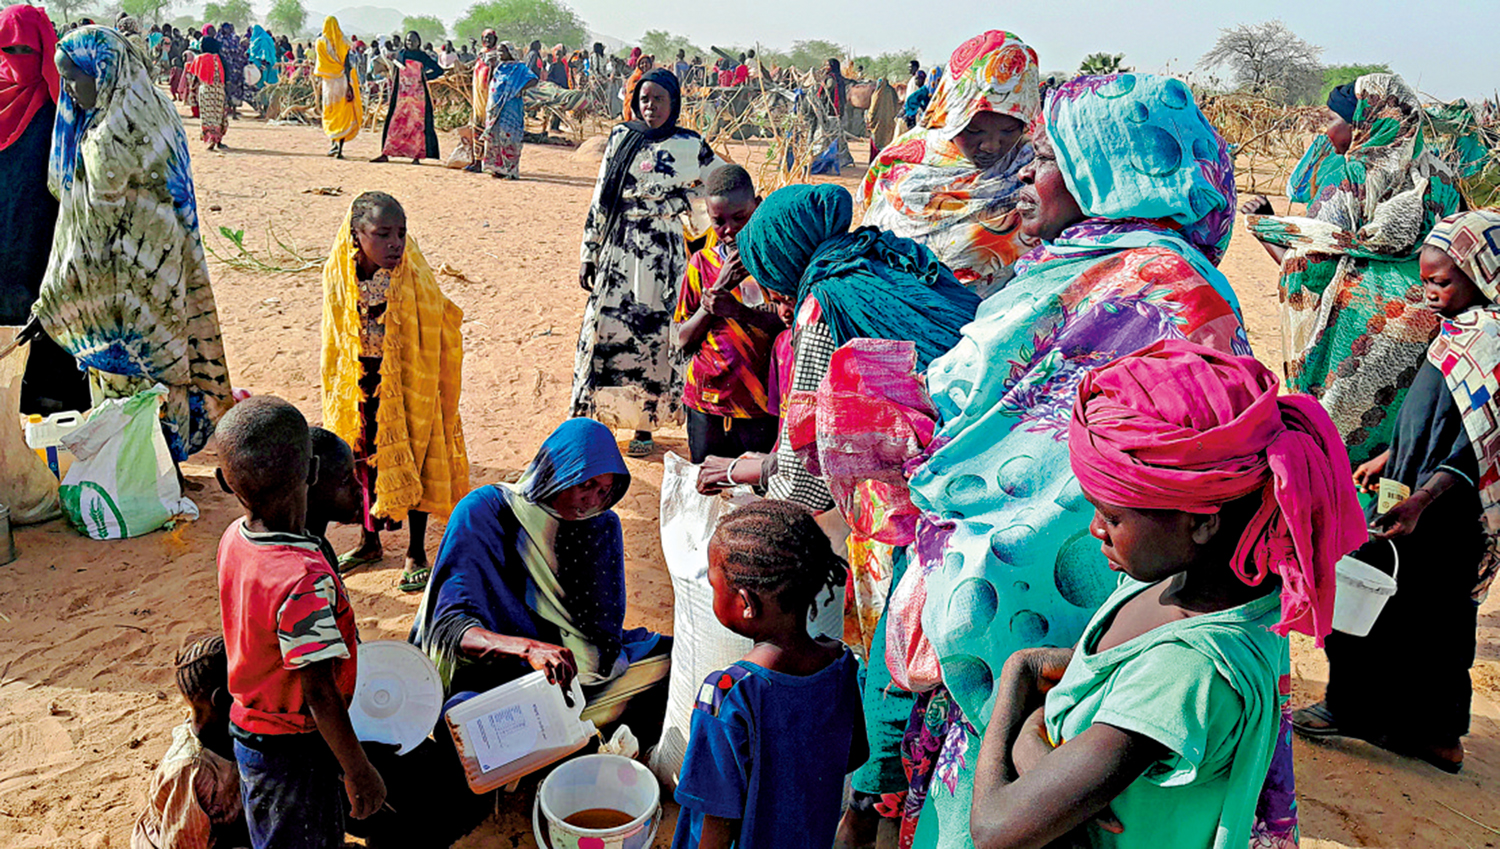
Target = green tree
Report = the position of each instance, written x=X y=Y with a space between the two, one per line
x=147 y=12
x=1103 y=63
x=66 y=11
x=287 y=17
x=1337 y=75
x=664 y=45
x=188 y=24
x=814 y=53
x=893 y=66
x=522 y=21
x=236 y=12
x=430 y=26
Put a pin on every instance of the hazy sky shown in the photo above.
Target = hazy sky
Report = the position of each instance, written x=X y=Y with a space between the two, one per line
x=1448 y=55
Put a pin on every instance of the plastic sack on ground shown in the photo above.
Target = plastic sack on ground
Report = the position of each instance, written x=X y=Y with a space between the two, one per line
x=26 y=487
x=700 y=644
x=123 y=482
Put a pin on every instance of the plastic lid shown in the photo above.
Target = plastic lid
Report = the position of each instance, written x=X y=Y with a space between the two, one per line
x=397 y=695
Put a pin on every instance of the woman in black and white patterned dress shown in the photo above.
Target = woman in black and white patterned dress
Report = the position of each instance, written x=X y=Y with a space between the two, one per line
x=627 y=374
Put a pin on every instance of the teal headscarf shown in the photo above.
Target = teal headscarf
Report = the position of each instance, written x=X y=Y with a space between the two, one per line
x=869 y=283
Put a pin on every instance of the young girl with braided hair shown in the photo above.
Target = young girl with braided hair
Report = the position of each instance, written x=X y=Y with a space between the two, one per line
x=773 y=735
x=392 y=370
x=194 y=800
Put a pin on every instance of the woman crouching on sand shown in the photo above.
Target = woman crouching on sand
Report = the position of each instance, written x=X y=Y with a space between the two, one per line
x=392 y=368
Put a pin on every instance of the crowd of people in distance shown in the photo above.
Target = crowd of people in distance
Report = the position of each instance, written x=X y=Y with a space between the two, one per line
x=1001 y=397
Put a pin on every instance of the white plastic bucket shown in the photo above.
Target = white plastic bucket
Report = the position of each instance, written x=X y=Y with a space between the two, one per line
x=597 y=781
x=1362 y=593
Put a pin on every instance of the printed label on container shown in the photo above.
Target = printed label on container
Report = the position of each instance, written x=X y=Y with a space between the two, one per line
x=503 y=736
x=1392 y=492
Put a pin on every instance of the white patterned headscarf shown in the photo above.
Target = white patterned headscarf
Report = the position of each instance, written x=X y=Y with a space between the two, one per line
x=1472 y=239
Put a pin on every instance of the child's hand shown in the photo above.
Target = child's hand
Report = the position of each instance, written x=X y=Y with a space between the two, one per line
x=1257 y=205
x=733 y=271
x=1402 y=519
x=366 y=791
x=1367 y=476
x=722 y=303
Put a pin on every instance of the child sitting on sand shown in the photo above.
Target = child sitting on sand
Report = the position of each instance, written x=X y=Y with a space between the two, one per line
x=727 y=327
x=194 y=800
x=290 y=640
x=774 y=735
x=392 y=369
x=1225 y=508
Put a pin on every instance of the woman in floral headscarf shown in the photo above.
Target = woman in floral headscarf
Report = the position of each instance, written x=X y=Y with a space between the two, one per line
x=1353 y=335
x=951 y=183
x=127 y=289
x=1131 y=193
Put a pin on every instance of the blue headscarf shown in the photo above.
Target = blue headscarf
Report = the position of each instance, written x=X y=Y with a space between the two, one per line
x=578 y=450
x=125 y=99
x=263 y=53
x=510 y=565
x=869 y=283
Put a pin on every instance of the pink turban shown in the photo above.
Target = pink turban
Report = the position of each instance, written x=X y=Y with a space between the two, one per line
x=1177 y=426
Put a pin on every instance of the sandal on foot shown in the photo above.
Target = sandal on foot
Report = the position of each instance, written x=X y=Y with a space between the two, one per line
x=640 y=448
x=353 y=560
x=1316 y=721
x=414 y=582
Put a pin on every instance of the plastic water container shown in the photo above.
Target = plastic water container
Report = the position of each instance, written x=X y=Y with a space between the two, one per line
x=592 y=783
x=1362 y=593
x=45 y=437
x=516 y=729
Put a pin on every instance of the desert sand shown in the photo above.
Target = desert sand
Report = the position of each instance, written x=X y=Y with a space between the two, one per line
x=88 y=629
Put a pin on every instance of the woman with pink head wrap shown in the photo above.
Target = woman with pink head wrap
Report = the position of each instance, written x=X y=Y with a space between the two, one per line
x=1225 y=507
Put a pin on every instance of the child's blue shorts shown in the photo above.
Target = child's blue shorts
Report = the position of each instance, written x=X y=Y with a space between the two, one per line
x=292 y=790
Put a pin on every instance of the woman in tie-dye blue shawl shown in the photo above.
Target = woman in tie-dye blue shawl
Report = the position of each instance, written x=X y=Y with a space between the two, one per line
x=126 y=290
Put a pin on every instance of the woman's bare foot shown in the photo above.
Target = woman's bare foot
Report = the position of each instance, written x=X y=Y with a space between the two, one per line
x=381 y=158
x=416 y=162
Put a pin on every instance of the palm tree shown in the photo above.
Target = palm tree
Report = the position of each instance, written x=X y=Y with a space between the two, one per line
x=1103 y=63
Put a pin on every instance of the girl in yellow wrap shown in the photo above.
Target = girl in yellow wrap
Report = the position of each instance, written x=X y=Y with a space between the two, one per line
x=343 y=108
x=392 y=369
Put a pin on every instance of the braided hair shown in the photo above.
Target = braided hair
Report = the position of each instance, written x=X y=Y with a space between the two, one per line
x=202 y=668
x=366 y=205
x=777 y=547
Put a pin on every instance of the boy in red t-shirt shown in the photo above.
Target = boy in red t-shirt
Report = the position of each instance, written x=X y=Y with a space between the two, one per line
x=291 y=640
x=726 y=388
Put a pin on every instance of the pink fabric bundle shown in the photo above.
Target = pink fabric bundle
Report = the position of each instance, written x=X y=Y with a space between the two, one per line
x=1177 y=426
x=868 y=419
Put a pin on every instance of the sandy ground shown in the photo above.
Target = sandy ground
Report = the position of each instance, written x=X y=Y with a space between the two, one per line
x=87 y=699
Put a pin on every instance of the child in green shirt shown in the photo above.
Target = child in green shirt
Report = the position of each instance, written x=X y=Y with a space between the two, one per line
x=1225 y=508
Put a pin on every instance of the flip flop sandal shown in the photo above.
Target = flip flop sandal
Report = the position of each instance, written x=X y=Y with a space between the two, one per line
x=414 y=582
x=1302 y=722
x=351 y=561
x=640 y=448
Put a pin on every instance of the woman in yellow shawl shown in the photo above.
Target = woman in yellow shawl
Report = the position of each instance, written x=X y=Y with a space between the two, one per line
x=343 y=108
x=392 y=369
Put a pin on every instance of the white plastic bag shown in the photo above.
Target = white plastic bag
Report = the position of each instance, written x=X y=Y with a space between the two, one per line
x=700 y=644
x=123 y=482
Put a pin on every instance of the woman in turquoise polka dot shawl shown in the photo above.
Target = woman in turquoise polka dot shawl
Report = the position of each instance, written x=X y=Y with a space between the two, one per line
x=1002 y=558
